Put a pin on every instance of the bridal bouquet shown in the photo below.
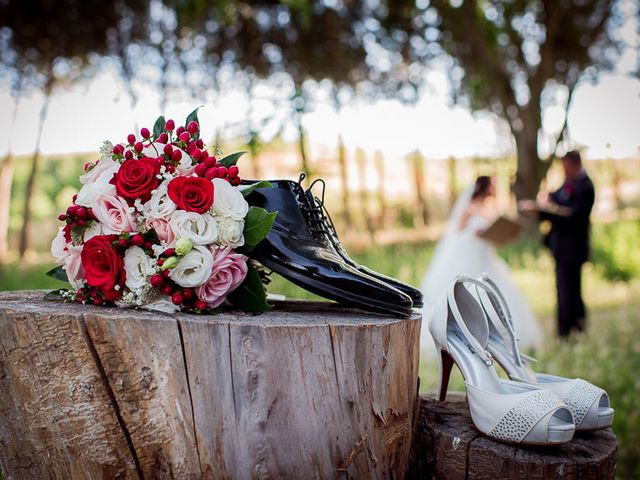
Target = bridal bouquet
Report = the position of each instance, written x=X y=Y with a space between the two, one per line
x=162 y=224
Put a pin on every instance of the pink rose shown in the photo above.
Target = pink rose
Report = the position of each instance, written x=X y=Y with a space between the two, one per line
x=162 y=228
x=228 y=272
x=68 y=255
x=113 y=213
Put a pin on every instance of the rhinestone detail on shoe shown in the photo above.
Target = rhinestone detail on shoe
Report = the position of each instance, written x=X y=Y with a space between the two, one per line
x=580 y=398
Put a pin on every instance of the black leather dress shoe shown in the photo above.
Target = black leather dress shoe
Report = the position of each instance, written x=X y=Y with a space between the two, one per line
x=322 y=215
x=297 y=248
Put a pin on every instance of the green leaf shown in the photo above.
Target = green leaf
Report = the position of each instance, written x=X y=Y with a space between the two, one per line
x=257 y=225
x=231 y=159
x=247 y=189
x=58 y=273
x=250 y=295
x=192 y=117
x=56 y=295
x=158 y=127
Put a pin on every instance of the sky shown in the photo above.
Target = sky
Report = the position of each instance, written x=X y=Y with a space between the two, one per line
x=604 y=118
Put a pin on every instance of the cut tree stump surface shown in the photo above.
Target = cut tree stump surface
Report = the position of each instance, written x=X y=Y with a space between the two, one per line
x=447 y=446
x=307 y=390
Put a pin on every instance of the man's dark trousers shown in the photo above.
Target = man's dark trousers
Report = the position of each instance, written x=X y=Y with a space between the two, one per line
x=571 y=311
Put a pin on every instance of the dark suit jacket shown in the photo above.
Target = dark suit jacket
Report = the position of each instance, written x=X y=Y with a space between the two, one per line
x=568 y=239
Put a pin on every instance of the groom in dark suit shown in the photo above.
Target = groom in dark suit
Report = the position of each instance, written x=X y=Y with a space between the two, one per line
x=568 y=209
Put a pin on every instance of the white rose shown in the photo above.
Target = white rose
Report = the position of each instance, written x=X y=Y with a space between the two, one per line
x=185 y=166
x=113 y=213
x=103 y=171
x=92 y=231
x=159 y=205
x=201 y=229
x=228 y=201
x=68 y=255
x=90 y=192
x=138 y=266
x=230 y=232
x=163 y=306
x=194 y=269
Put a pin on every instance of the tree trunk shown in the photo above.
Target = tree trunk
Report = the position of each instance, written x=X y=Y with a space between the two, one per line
x=344 y=181
x=453 y=181
x=382 y=203
x=23 y=244
x=531 y=171
x=306 y=390
x=417 y=166
x=6 y=179
x=302 y=145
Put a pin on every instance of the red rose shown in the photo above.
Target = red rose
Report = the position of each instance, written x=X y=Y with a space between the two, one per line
x=136 y=178
x=103 y=266
x=193 y=194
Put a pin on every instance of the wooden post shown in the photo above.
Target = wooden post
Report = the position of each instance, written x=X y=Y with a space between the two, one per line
x=307 y=390
x=446 y=445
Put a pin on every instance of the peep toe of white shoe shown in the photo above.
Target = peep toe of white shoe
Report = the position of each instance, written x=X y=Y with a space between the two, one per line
x=512 y=412
x=589 y=404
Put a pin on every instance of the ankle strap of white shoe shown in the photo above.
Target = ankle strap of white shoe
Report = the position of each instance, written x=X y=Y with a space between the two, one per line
x=496 y=308
x=473 y=342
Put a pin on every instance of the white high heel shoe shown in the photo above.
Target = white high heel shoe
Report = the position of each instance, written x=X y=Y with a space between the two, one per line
x=507 y=411
x=588 y=403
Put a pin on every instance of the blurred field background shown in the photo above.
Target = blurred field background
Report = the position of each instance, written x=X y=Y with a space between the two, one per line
x=398 y=106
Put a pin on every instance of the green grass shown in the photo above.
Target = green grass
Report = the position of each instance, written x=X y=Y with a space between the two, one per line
x=608 y=354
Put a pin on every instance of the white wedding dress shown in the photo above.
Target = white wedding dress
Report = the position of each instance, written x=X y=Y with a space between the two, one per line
x=462 y=252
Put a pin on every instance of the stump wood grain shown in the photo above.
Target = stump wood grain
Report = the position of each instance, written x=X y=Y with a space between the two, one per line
x=307 y=390
x=447 y=446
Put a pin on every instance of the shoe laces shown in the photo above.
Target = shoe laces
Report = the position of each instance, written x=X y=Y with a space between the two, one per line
x=320 y=222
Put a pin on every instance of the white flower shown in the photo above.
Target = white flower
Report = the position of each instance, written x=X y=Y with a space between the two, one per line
x=103 y=171
x=194 y=269
x=92 y=231
x=201 y=229
x=138 y=266
x=163 y=306
x=68 y=255
x=106 y=149
x=228 y=201
x=159 y=205
x=230 y=232
x=90 y=192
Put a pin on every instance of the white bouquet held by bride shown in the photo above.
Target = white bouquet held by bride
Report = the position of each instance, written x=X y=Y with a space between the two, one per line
x=162 y=224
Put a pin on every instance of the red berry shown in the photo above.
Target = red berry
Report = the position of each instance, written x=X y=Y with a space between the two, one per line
x=138 y=147
x=157 y=280
x=167 y=150
x=160 y=262
x=188 y=293
x=235 y=181
x=233 y=171
x=169 y=125
x=137 y=240
x=193 y=127
x=210 y=162
x=170 y=168
x=118 y=149
x=176 y=156
x=166 y=273
x=87 y=166
x=81 y=213
x=177 y=298
x=90 y=214
x=222 y=172
x=145 y=133
x=131 y=138
x=201 y=169
x=179 y=131
x=200 y=143
x=211 y=173
x=82 y=222
x=167 y=289
x=169 y=252
x=163 y=138
x=184 y=137
x=122 y=243
x=148 y=244
x=196 y=154
x=97 y=301
x=128 y=155
x=200 y=304
x=72 y=211
x=62 y=217
x=191 y=146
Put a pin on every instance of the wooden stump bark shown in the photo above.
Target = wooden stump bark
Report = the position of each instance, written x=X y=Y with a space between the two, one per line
x=447 y=446
x=307 y=390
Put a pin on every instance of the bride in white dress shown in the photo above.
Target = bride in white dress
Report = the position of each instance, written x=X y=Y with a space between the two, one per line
x=462 y=252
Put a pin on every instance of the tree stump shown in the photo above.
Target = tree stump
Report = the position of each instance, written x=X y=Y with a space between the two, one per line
x=307 y=390
x=447 y=446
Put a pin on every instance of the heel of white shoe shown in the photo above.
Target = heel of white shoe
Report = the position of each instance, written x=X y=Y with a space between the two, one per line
x=445 y=364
